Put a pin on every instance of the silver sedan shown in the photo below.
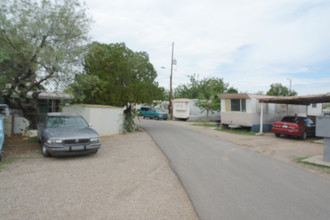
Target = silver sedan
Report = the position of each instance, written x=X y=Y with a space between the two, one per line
x=63 y=134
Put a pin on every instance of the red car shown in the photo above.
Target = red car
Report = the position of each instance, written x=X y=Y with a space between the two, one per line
x=302 y=127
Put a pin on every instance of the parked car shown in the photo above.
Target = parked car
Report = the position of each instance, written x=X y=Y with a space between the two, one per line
x=302 y=127
x=63 y=134
x=153 y=113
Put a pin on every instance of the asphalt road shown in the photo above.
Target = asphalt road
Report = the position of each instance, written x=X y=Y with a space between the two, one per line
x=225 y=181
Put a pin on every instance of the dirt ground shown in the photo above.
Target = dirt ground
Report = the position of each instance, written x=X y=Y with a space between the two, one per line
x=129 y=178
x=286 y=149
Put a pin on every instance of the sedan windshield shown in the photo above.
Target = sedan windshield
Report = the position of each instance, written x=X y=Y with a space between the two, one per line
x=62 y=122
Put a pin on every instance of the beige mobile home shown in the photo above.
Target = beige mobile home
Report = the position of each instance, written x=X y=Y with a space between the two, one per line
x=243 y=110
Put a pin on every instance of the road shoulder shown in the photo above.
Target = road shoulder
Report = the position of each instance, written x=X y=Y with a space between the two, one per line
x=129 y=178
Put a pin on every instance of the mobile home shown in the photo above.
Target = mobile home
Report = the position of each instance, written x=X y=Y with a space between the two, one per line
x=243 y=110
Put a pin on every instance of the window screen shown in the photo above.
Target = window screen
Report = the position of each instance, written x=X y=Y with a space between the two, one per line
x=235 y=105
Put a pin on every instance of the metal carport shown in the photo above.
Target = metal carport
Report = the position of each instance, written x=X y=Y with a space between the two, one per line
x=293 y=100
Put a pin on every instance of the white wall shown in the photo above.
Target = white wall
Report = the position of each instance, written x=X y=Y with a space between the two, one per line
x=105 y=120
x=317 y=111
x=197 y=114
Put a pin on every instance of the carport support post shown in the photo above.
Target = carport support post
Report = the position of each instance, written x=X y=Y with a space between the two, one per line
x=261 y=118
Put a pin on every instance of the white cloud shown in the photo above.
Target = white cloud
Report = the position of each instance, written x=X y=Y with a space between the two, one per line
x=250 y=44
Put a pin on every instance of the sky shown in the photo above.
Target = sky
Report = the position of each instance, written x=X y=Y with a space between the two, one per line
x=250 y=44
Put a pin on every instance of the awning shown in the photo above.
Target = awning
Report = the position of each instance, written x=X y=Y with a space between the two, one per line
x=298 y=100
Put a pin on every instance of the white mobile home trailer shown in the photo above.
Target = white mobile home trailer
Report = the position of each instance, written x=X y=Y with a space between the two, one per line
x=187 y=109
x=181 y=108
x=243 y=110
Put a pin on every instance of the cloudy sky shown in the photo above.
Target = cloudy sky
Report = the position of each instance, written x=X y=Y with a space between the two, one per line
x=250 y=44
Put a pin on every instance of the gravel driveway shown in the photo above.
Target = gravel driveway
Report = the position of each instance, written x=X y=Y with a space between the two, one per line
x=129 y=178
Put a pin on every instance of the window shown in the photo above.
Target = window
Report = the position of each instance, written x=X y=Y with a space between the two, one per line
x=62 y=122
x=314 y=105
x=180 y=106
x=235 y=105
x=238 y=105
x=243 y=105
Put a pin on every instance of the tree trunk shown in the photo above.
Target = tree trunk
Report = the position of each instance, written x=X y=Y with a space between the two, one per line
x=207 y=115
x=129 y=119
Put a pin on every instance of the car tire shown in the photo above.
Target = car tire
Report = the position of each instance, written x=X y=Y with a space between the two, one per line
x=277 y=134
x=44 y=151
x=156 y=118
x=304 y=136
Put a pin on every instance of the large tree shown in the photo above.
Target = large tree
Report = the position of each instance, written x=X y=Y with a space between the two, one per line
x=277 y=89
x=41 y=43
x=116 y=75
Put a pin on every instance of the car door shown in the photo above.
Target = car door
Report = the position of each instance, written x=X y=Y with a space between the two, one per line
x=147 y=112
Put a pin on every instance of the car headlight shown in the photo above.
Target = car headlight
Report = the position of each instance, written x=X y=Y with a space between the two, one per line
x=94 y=140
x=54 y=141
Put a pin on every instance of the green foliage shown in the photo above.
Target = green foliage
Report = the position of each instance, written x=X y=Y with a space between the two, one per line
x=115 y=75
x=204 y=88
x=129 y=125
x=324 y=168
x=206 y=124
x=277 y=89
x=41 y=42
x=205 y=91
x=234 y=131
x=86 y=88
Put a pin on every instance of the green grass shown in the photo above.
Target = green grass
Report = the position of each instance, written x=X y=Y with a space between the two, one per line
x=315 y=142
x=242 y=132
x=205 y=124
x=6 y=162
x=33 y=139
x=323 y=167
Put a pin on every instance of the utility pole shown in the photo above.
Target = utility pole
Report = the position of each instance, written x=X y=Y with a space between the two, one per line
x=170 y=106
x=290 y=85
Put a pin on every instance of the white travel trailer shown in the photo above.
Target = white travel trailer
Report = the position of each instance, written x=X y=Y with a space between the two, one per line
x=181 y=109
x=185 y=109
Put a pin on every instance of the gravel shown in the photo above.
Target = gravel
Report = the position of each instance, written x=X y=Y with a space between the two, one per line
x=129 y=178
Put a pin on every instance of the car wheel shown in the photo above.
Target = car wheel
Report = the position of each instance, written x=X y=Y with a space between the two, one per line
x=44 y=151
x=39 y=140
x=156 y=118
x=304 y=136
x=277 y=134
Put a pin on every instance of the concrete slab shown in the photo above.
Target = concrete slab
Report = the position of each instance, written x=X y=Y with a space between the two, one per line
x=317 y=160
